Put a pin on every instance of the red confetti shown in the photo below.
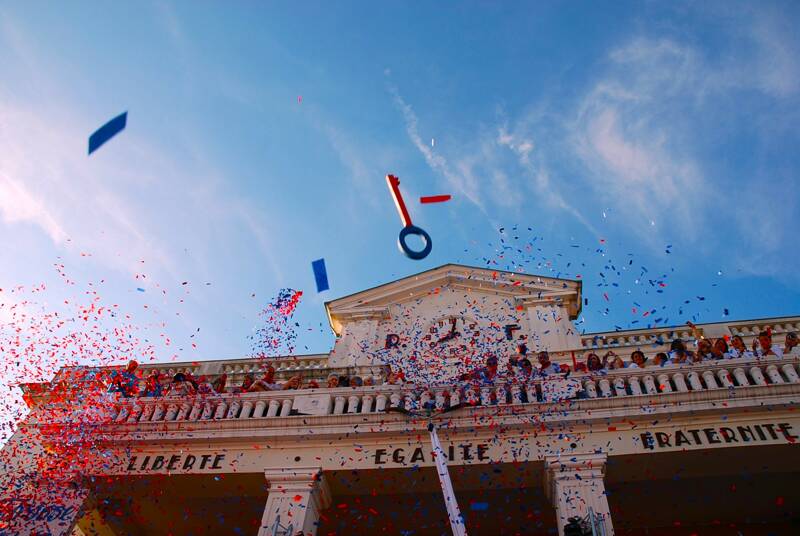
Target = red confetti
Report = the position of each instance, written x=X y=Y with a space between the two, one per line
x=434 y=199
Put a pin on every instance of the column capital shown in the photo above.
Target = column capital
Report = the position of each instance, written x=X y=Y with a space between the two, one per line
x=573 y=467
x=300 y=479
x=576 y=462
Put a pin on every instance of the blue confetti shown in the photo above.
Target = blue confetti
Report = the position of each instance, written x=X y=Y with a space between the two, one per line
x=107 y=131
x=140 y=289
x=479 y=506
x=320 y=275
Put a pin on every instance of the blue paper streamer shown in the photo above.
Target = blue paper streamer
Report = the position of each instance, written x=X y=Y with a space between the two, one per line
x=320 y=274
x=107 y=131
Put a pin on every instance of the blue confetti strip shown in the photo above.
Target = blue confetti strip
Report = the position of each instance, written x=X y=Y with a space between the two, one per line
x=107 y=131
x=320 y=275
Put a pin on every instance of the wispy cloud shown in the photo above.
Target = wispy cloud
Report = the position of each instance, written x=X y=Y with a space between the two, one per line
x=494 y=169
x=17 y=204
x=462 y=182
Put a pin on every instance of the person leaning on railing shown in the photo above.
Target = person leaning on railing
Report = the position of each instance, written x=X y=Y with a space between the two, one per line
x=661 y=359
x=613 y=361
x=220 y=383
x=678 y=354
x=268 y=383
x=763 y=347
x=638 y=360
x=152 y=385
x=791 y=342
x=739 y=349
x=594 y=364
x=125 y=382
x=720 y=350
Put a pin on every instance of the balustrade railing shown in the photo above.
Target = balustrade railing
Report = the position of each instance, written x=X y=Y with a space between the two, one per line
x=735 y=375
x=658 y=339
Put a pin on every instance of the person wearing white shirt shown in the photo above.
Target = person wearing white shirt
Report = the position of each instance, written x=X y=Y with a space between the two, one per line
x=638 y=360
x=764 y=347
x=678 y=355
x=738 y=349
x=546 y=366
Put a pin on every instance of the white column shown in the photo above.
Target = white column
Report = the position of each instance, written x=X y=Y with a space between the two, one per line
x=574 y=483
x=297 y=495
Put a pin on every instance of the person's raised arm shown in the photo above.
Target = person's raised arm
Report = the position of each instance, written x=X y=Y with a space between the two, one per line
x=695 y=331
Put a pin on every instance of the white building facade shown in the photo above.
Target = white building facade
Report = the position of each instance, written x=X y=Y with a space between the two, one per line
x=703 y=448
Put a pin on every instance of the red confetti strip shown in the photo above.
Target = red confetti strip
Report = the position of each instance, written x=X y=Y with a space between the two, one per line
x=435 y=199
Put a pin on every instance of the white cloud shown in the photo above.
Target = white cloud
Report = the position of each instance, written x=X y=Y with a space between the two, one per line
x=463 y=181
x=17 y=204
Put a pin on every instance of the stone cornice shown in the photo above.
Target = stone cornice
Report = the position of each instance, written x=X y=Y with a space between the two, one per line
x=577 y=416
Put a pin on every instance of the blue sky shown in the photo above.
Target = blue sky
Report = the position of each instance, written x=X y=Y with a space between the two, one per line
x=612 y=130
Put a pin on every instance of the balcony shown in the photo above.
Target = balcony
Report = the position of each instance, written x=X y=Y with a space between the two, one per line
x=737 y=382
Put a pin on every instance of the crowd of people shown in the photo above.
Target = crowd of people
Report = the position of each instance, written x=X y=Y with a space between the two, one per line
x=128 y=383
x=520 y=368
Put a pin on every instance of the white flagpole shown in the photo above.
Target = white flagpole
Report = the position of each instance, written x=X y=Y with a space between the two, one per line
x=456 y=521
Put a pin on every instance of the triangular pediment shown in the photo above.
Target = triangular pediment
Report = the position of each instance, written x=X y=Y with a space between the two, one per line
x=523 y=288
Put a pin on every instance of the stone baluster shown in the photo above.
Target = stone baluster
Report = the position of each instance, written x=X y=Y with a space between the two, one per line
x=338 y=405
x=694 y=381
x=605 y=387
x=172 y=412
x=757 y=375
x=516 y=394
x=366 y=404
x=425 y=399
x=680 y=382
x=665 y=386
x=208 y=411
x=124 y=411
x=725 y=378
x=710 y=379
x=741 y=377
x=219 y=412
x=286 y=407
x=502 y=393
x=275 y=405
x=258 y=411
x=469 y=394
x=440 y=400
x=455 y=396
x=247 y=408
x=158 y=412
x=410 y=401
x=619 y=387
x=183 y=411
x=486 y=396
x=395 y=400
x=352 y=403
x=380 y=403
x=590 y=388
x=791 y=373
x=650 y=385
x=136 y=410
x=197 y=407
x=635 y=385
x=147 y=412
x=233 y=409
x=774 y=374
x=530 y=392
